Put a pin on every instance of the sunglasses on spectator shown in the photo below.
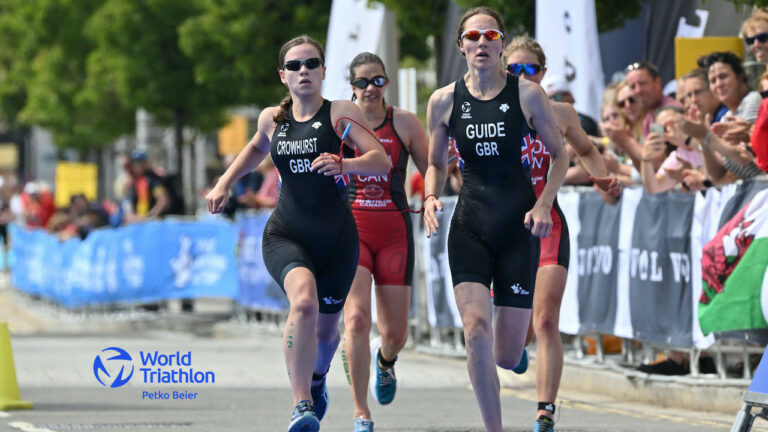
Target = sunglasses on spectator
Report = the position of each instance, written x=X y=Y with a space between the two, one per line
x=529 y=69
x=761 y=37
x=490 y=34
x=378 y=81
x=310 y=63
x=628 y=101
x=653 y=70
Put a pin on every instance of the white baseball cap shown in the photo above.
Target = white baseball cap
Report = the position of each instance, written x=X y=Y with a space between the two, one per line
x=555 y=83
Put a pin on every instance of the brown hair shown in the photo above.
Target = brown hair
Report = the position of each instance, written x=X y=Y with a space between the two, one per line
x=365 y=58
x=285 y=104
x=699 y=73
x=525 y=43
x=758 y=14
x=480 y=10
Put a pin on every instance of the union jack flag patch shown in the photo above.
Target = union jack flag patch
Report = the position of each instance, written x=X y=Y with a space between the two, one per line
x=342 y=180
x=526 y=150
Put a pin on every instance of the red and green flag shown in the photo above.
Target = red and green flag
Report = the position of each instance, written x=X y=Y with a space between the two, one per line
x=733 y=269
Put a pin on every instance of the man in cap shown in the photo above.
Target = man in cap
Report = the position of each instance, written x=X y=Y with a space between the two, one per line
x=559 y=90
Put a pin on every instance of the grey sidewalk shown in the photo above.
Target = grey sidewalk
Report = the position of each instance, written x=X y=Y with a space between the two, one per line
x=55 y=349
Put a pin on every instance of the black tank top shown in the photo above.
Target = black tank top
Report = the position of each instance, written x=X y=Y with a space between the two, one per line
x=306 y=197
x=497 y=190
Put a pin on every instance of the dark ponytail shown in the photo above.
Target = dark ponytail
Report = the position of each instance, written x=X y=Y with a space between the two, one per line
x=283 y=109
x=285 y=104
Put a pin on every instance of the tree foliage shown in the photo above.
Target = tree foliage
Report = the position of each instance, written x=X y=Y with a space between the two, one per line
x=416 y=20
x=137 y=50
x=43 y=70
x=235 y=44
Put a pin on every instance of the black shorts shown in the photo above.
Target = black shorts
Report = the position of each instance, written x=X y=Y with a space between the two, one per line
x=508 y=261
x=330 y=253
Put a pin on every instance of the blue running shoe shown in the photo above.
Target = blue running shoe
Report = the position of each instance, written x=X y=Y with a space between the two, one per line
x=544 y=424
x=383 y=382
x=320 y=399
x=363 y=425
x=523 y=365
x=304 y=419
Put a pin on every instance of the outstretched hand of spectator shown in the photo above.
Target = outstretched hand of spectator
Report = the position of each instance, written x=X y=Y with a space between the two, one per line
x=693 y=123
x=676 y=173
x=615 y=133
x=694 y=179
x=734 y=130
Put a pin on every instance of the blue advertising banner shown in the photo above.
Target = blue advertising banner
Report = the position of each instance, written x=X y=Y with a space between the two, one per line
x=137 y=263
x=257 y=288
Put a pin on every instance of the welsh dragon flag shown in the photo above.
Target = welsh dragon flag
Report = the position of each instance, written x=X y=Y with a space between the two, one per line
x=733 y=269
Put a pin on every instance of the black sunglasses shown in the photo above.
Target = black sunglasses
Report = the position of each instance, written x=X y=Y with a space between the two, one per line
x=529 y=69
x=310 y=63
x=378 y=81
x=628 y=101
x=761 y=37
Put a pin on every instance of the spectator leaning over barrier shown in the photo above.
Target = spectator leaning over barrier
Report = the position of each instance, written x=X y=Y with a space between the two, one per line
x=724 y=162
x=729 y=138
x=728 y=82
x=698 y=93
x=614 y=163
x=559 y=90
x=683 y=157
x=628 y=137
x=754 y=30
x=645 y=82
x=630 y=109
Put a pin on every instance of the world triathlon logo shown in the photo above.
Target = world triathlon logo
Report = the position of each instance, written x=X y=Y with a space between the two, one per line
x=106 y=362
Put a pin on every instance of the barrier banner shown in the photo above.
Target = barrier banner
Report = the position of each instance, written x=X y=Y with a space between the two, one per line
x=660 y=269
x=257 y=288
x=741 y=196
x=441 y=304
x=569 y=308
x=143 y=262
x=598 y=243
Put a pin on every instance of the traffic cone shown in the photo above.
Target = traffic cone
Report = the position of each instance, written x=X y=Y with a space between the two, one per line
x=10 y=399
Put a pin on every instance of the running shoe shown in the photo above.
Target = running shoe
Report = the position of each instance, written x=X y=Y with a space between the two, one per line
x=320 y=399
x=544 y=424
x=383 y=382
x=523 y=365
x=304 y=419
x=363 y=425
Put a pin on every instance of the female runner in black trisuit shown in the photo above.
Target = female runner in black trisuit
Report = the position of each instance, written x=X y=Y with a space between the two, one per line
x=498 y=220
x=310 y=243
